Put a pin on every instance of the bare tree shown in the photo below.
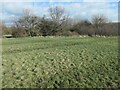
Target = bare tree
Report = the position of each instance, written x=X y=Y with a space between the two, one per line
x=59 y=18
x=27 y=22
x=98 y=21
x=57 y=14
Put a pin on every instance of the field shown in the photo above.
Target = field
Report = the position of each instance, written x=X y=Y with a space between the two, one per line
x=57 y=62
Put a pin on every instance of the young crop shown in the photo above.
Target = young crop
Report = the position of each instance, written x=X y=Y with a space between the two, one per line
x=60 y=62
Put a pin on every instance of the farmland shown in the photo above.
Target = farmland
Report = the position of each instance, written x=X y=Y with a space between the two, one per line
x=56 y=62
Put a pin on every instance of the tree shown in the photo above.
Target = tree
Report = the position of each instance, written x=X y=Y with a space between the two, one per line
x=28 y=23
x=59 y=18
x=45 y=26
x=98 y=22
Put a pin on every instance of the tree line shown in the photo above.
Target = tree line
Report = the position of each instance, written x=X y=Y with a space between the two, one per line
x=59 y=23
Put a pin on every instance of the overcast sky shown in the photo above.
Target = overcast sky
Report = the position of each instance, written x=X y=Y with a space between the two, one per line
x=83 y=9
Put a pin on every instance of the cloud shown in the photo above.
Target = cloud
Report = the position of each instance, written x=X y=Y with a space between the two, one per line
x=83 y=10
x=87 y=9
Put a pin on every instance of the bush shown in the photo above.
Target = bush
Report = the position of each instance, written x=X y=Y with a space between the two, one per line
x=67 y=33
x=19 y=33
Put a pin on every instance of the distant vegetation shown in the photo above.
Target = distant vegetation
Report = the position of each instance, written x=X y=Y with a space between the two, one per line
x=59 y=23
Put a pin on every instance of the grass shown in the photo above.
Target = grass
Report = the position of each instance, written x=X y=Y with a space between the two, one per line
x=56 y=62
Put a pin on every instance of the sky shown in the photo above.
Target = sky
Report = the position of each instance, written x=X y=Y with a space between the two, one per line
x=83 y=9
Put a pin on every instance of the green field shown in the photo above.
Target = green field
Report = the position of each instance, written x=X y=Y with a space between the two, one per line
x=60 y=62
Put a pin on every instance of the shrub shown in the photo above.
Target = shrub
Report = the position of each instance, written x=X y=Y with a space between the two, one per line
x=69 y=33
x=19 y=33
